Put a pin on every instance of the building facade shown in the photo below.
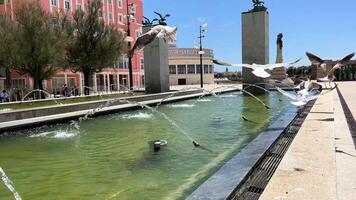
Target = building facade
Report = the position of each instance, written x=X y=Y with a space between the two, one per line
x=113 y=13
x=347 y=72
x=184 y=66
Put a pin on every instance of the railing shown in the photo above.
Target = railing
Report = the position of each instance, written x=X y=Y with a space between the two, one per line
x=17 y=94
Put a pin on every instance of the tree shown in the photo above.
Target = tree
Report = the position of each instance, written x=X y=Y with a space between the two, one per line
x=8 y=47
x=93 y=46
x=41 y=52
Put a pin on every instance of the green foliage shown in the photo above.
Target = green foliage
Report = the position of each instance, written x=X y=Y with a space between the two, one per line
x=40 y=51
x=92 y=46
x=7 y=41
x=8 y=49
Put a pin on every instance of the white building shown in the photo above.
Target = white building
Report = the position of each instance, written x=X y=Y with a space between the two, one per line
x=184 y=66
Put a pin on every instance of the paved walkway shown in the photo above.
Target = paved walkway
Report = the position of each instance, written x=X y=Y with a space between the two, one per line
x=321 y=162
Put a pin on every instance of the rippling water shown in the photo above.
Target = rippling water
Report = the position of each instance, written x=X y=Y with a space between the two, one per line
x=112 y=157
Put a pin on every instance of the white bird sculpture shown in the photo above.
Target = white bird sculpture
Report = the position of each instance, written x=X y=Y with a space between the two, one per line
x=258 y=69
x=166 y=32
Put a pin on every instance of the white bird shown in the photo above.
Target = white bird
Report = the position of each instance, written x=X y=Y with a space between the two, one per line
x=166 y=32
x=321 y=63
x=309 y=86
x=258 y=69
x=303 y=96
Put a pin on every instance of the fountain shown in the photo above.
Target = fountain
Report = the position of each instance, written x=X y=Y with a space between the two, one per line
x=8 y=183
x=116 y=145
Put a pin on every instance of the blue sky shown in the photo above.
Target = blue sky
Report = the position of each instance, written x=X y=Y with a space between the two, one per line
x=326 y=28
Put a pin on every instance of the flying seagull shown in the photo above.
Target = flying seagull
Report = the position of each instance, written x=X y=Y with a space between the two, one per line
x=330 y=74
x=309 y=86
x=166 y=32
x=303 y=96
x=258 y=69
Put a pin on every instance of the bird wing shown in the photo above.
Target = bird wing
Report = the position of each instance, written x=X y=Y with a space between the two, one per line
x=287 y=94
x=272 y=66
x=143 y=40
x=298 y=103
x=346 y=59
x=314 y=59
x=218 y=62
x=312 y=97
x=260 y=72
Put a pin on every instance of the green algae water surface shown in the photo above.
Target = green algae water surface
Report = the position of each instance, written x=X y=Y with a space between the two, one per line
x=111 y=157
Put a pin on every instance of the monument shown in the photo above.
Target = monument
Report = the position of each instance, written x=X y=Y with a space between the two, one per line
x=279 y=73
x=255 y=42
x=156 y=59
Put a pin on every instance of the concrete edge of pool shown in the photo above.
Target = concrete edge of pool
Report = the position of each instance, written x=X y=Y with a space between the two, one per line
x=43 y=119
x=223 y=182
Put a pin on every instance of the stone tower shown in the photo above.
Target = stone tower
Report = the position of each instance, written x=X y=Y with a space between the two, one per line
x=255 y=44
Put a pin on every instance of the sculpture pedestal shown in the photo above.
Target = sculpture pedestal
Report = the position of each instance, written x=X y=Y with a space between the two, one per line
x=156 y=67
x=255 y=46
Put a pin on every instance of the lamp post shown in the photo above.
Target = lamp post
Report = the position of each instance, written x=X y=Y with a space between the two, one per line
x=128 y=15
x=202 y=29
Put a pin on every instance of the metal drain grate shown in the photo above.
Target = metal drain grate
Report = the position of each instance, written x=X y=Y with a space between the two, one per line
x=255 y=183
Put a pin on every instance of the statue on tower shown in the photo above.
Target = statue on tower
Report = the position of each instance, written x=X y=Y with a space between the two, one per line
x=258 y=6
x=279 y=48
x=279 y=73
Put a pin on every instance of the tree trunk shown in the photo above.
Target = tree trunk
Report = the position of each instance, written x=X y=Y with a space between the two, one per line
x=8 y=82
x=38 y=84
x=87 y=82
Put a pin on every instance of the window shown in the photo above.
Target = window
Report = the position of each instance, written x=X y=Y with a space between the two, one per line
x=110 y=1
x=182 y=69
x=57 y=82
x=110 y=16
x=79 y=7
x=172 y=69
x=138 y=33
x=18 y=83
x=133 y=9
x=54 y=2
x=191 y=69
x=206 y=69
x=142 y=64
x=211 y=69
x=198 y=69
x=121 y=18
x=67 y=5
x=123 y=63
x=119 y=3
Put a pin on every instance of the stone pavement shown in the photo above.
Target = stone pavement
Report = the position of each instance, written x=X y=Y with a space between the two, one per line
x=321 y=162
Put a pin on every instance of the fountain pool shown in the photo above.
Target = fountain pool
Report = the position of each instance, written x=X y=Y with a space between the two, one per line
x=111 y=157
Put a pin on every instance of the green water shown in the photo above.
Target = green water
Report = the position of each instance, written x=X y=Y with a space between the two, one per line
x=111 y=157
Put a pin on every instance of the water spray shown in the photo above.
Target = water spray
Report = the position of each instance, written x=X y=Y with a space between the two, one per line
x=8 y=183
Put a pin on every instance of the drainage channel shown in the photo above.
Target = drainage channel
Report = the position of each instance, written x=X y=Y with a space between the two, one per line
x=255 y=183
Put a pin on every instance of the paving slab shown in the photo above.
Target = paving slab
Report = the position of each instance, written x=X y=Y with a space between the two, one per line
x=344 y=143
x=308 y=170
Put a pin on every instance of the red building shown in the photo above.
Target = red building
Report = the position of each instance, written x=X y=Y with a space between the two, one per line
x=109 y=79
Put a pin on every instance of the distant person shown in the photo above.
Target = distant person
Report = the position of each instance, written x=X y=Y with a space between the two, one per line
x=4 y=96
x=65 y=91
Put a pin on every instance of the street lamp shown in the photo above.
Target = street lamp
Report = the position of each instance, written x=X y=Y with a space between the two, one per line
x=129 y=15
x=203 y=29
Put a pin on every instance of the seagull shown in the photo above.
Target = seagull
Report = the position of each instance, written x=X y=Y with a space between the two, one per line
x=310 y=86
x=159 y=31
x=258 y=69
x=320 y=62
x=303 y=96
